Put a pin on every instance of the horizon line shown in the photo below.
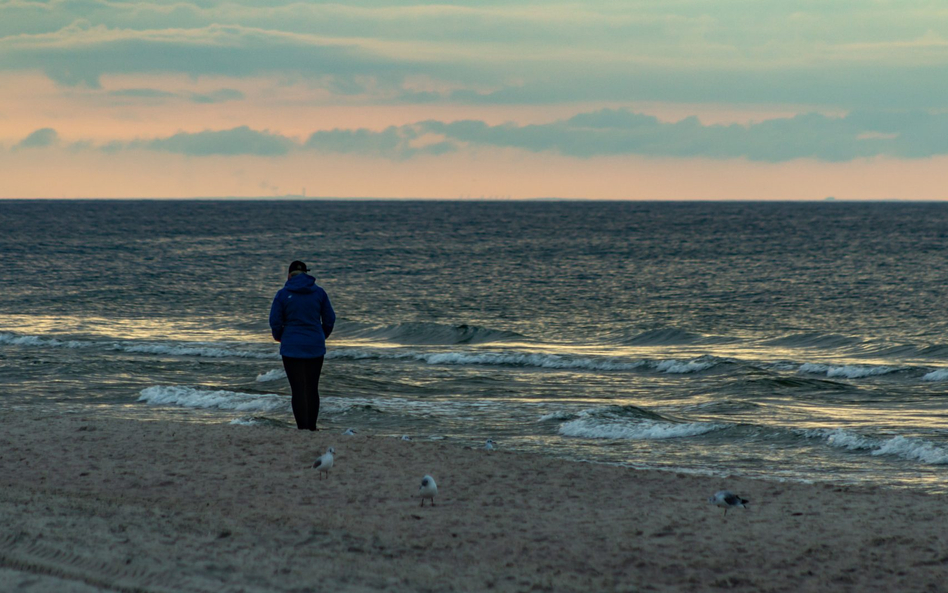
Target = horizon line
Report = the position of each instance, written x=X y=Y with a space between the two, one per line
x=302 y=198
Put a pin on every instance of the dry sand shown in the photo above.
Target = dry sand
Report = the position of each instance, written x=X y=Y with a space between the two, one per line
x=90 y=504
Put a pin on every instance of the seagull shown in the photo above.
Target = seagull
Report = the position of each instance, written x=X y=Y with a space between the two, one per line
x=405 y=437
x=324 y=463
x=727 y=499
x=349 y=432
x=489 y=445
x=428 y=490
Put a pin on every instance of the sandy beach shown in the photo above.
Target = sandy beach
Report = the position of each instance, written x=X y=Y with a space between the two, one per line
x=90 y=504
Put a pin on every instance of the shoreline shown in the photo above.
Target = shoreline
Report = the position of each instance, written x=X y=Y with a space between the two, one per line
x=127 y=505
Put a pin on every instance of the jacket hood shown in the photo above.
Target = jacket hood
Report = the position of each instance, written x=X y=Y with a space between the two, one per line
x=302 y=283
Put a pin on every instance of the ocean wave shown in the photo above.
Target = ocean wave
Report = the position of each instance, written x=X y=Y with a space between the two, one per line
x=678 y=367
x=515 y=359
x=914 y=449
x=592 y=428
x=814 y=340
x=936 y=375
x=187 y=396
x=663 y=337
x=626 y=422
x=794 y=383
x=191 y=349
x=20 y=340
x=526 y=359
x=274 y=375
x=911 y=449
x=934 y=351
x=558 y=416
x=549 y=361
x=190 y=397
x=846 y=371
x=422 y=333
x=202 y=349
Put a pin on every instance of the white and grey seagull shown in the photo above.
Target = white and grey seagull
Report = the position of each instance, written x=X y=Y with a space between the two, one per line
x=349 y=432
x=489 y=445
x=428 y=489
x=727 y=500
x=324 y=463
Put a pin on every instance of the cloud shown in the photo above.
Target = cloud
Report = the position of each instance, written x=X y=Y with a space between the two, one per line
x=606 y=132
x=82 y=53
x=621 y=132
x=142 y=93
x=492 y=52
x=397 y=142
x=41 y=138
x=237 y=141
x=815 y=136
x=218 y=96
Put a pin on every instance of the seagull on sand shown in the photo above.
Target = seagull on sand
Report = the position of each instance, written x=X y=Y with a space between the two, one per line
x=349 y=432
x=324 y=463
x=489 y=445
x=727 y=499
x=428 y=489
x=405 y=437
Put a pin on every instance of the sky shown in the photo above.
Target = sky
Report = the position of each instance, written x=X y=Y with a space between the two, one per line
x=600 y=99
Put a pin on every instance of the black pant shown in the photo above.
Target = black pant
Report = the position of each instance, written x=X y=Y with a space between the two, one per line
x=303 y=374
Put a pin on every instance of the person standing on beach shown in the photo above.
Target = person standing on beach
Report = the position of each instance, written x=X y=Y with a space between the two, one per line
x=301 y=318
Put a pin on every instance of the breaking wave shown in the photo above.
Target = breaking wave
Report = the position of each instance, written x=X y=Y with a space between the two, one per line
x=16 y=340
x=936 y=375
x=911 y=449
x=846 y=371
x=627 y=422
x=190 y=397
x=274 y=375
x=644 y=430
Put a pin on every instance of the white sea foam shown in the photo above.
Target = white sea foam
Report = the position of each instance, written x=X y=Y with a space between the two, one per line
x=592 y=428
x=912 y=449
x=190 y=397
x=847 y=371
x=559 y=415
x=841 y=439
x=17 y=340
x=679 y=368
x=245 y=421
x=936 y=375
x=274 y=375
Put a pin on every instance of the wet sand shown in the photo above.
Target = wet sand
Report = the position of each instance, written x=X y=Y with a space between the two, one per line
x=90 y=504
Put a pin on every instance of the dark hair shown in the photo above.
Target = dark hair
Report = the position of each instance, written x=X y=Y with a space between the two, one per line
x=298 y=266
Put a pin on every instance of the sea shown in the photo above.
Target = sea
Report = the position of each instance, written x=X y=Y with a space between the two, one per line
x=789 y=341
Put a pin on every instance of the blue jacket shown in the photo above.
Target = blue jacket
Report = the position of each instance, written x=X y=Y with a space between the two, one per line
x=301 y=318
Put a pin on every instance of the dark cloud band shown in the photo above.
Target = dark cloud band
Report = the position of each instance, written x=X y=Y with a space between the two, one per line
x=906 y=135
